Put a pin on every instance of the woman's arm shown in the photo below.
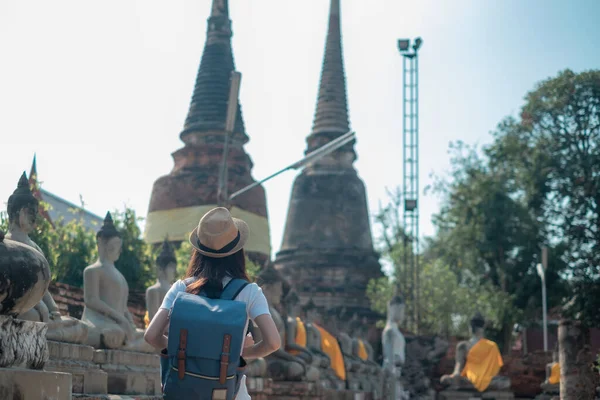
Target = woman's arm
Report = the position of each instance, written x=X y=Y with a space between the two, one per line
x=155 y=333
x=271 y=341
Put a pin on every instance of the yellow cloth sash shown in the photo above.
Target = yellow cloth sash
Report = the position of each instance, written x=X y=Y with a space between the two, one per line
x=362 y=351
x=300 y=338
x=554 y=374
x=177 y=224
x=146 y=319
x=483 y=363
x=331 y=347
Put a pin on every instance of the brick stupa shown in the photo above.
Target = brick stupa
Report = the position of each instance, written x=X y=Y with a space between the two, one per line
x=327 y=250
x=180 y=198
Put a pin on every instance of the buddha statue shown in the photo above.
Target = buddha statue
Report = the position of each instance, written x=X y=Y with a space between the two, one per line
x=295 y=330
x=105 y=294
x=24 y=277
x=355 y=369
x=552 y=383
x=22 y=209
x=370 y=371
x=394 y=347
x=282 y=366
x=325 y=349
x=478 y=362
x=256 y=368
x=166 y=270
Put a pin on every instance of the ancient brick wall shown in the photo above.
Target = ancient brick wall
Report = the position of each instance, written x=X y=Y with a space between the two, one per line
x=69 y=300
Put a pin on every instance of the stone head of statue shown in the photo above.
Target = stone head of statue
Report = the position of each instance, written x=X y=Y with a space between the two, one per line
x=271 y=282
x=109 y=240
x=311 y=311
x=22 y=206
x=356 y=328
x=396 y=308
x=292 y=303
x=477 y=323
x=166 y=263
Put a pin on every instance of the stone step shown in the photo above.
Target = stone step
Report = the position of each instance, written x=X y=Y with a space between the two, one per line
x=20 y=383
x=77 y=396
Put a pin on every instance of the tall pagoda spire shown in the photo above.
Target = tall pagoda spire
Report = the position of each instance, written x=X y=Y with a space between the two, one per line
x=208 y=108
x=331 y=115
x=327 y=247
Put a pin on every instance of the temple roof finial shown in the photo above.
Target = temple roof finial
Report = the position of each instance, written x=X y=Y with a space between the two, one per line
x=208 y=108
x=331 y=115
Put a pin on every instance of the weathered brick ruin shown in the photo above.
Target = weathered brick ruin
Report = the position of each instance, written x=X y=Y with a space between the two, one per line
x=179 y=199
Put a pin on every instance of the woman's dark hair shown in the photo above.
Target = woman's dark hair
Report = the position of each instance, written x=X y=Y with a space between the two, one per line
x=209 y=272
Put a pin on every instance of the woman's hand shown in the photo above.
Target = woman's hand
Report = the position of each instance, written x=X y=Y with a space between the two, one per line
x=248 y=341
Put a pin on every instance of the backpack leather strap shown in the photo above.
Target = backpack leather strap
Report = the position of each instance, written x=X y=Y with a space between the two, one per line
x=181 y=352
x=224 y=359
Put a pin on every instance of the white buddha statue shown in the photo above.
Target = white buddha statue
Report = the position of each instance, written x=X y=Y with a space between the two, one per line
x=394 y=346
x=166 y=270
x=22 y=211
x=106 y=292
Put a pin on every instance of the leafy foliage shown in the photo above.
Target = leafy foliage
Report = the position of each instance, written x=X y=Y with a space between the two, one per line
x=537 y=185
x=70 y=247
x=137 y=259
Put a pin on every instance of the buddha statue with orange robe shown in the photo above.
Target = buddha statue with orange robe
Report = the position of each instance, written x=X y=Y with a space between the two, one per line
x=552 y=383
x=361 y=348
x=282 y=365
x=325 y=350
x=478 y=362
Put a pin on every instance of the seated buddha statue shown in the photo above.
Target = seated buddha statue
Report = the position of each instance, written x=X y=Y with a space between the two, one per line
x=105 y=294
x=281 y=365
x=166 y=270
x=257 y=367
x=353 y=363
x=325 y=347
x=23 y=209
x=295 y=330
x=370 y=370
x=478 y=362
x=552 y=383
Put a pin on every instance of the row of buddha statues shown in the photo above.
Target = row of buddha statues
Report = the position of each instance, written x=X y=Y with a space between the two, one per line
x=106 y=322
x=338 y=357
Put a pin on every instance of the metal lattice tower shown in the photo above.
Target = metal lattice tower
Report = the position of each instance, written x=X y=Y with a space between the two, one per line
x=410 y=176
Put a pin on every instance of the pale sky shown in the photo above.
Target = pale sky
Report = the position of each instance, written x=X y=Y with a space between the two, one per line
x=100 y=90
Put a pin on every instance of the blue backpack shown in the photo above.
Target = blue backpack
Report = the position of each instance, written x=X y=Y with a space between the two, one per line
x=205 y=338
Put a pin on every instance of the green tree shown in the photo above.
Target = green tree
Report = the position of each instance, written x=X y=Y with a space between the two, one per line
x=74 y=249
x=68 y=247
x=447 y=299
x=552 y=156
x=136 y=262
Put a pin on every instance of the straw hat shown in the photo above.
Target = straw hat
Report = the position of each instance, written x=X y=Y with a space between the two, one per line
x=218 y=234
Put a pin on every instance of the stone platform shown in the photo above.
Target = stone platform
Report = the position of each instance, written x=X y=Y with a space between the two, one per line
x=28 y=384
x=306 y=391
x=113 y=397
x=130 y=373
x=470 y=395
x=78 y=361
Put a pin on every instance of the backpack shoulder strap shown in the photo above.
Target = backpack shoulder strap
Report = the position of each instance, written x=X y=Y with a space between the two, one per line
x=233 y=288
